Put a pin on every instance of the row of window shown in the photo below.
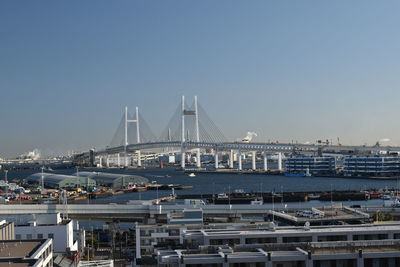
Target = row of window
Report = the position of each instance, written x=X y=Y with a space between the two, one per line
x=30 y=236
x=295 y=239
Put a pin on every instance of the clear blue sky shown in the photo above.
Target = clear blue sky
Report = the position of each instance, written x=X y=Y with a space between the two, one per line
x=288 y=70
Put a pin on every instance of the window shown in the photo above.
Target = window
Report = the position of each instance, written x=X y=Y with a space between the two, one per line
x=18 y=237
x=29 y=236
x=50 y=235
x=40 y=236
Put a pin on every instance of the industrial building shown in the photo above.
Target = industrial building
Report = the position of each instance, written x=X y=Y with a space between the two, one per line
x=51 y=180
x=313 y=165
x=371 y=166
x=113 y=180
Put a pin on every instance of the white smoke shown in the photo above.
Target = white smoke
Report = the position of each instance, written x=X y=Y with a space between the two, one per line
x=249 y=136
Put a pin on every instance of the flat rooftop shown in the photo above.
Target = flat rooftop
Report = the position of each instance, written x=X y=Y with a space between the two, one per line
x=297 y=230
x=367 y=246
x=18 y=248
x=18 y=262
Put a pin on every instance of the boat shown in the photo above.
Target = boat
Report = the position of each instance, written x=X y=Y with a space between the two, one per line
x=313 y=196
x=296 y=175
x=306 y=174
x=386 y=197
x=192 y=175
x=235 y=198
x=136 y=188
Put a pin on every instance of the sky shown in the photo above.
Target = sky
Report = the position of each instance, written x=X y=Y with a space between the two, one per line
x=287 y=70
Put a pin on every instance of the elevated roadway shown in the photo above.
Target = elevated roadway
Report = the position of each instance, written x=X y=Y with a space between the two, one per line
x=148 y=213
x=240 y=146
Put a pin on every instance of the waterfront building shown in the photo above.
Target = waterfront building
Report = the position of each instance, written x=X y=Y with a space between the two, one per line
x=313 y=165
x=113 y=180
x=56 y=181
x=371 y=166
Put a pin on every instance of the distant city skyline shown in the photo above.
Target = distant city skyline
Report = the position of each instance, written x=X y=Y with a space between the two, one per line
x=287 y=70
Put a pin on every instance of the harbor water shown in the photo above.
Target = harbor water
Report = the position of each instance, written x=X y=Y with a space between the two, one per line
x=214 y=183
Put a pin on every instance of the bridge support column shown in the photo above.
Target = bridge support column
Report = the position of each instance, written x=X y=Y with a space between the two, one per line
x=101 y=162
x=198 y=158
x=253 y=161
x=240 y=160
x=265 y=161
x=108 y=161
x=139 y=159
x=183 y=158
x=280 y=161
x=231 y=159
x=216 y=159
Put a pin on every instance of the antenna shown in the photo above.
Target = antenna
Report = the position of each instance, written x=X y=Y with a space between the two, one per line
x=64 y=201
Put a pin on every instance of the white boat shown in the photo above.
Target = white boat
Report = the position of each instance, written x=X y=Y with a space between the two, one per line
x=192 y=175
x=386 y=197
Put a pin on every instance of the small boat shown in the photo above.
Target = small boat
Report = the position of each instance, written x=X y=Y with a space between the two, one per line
x=313 y=196
x=192 y=175
x=306 y=174
x=386 y=197
x=296 y=175
x=235 y=198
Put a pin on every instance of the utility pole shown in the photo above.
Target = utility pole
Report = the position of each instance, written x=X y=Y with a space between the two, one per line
x=42 y=181
x=77 y=177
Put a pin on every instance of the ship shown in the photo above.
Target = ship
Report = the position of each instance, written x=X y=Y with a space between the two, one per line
x=238 y=197
x=305 y=174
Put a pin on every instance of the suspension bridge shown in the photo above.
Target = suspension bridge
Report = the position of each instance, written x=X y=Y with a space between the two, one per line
x=191 y=132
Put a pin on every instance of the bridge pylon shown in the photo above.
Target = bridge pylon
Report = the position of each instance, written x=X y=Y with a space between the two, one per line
x=190 y=112
x=126 y=143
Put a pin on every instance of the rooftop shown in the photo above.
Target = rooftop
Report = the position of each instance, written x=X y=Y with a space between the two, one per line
x=16 y=262
x=19 y=249
x=296 y=230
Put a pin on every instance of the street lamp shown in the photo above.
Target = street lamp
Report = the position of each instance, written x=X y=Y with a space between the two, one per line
x=5 y=176
x=42 y=180
x=77 y=176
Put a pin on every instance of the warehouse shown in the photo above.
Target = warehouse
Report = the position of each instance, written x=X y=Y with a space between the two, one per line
x=60 y=181
x=114 y=180
x=371 y=166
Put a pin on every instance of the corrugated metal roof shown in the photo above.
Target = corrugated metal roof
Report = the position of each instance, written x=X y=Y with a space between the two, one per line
x=51 y=178
x=104 y=176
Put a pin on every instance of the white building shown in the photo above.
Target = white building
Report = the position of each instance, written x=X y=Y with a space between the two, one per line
x=49 y=226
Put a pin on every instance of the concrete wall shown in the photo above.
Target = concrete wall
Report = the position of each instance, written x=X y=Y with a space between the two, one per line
x=23 y=219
